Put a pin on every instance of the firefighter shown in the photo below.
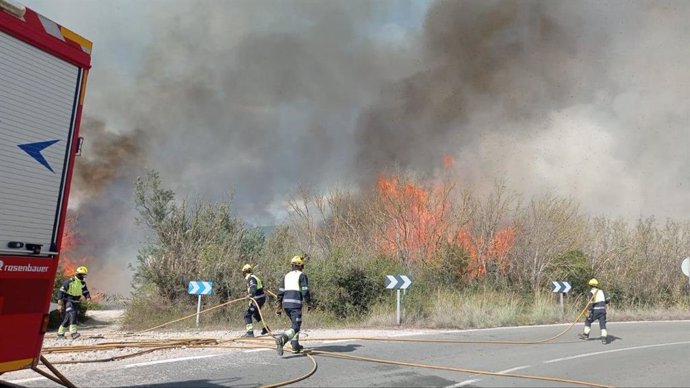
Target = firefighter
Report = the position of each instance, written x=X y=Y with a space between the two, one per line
x=597 y=311
x=293 y=292
x=255 y=290
x=70 y=295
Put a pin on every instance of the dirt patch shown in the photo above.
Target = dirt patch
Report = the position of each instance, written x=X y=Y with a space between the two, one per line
x=111 y=317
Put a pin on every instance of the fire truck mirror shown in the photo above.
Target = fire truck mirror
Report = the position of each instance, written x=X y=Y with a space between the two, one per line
x=80 y=144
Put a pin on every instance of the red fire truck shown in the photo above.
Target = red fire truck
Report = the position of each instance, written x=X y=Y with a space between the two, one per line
x=43 y=71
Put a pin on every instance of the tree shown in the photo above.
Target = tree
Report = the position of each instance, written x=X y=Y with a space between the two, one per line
x=201 y=241
x=487 y=237
x=547 y=228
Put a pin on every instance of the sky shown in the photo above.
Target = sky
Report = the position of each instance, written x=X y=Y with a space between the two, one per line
x=252 y=99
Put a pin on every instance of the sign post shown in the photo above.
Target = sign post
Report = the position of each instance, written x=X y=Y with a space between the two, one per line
x=198 y=310
x=198 y=287
x=398 y=282
x=561 y=288
x=685 y=267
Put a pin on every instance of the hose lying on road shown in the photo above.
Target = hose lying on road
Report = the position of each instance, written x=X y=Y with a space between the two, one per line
x=449 y=368
x=259 y=342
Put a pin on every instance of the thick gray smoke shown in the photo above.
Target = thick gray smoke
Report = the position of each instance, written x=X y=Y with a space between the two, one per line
x=103 y=195
x=254 y=98
x=249 y=98
x=578 y=98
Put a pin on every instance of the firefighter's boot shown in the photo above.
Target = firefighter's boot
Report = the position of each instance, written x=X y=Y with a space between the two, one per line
x=264 y=331
x=249 y=334
x=604 y=336
x=296 y=347
x=583 y=336
x=73 y=331
x=280 y=342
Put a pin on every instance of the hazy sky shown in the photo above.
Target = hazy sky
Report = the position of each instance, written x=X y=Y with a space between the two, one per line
x=587 y=99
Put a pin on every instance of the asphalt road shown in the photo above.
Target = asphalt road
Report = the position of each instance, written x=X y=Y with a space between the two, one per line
x=641 y=354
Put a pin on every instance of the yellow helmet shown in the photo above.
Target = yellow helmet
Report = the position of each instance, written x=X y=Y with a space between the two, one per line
x=299 y=260
x=593 y=282
x=247 y=268
x=82 y=270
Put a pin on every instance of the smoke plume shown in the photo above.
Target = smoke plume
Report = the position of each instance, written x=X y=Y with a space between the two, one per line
x=585 y=99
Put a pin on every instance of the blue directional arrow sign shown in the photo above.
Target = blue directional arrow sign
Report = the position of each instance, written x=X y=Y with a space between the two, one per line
x=198 y=287
x=34 y=150
x=560 y=286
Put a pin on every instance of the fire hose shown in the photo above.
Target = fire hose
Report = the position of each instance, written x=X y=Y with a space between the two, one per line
x=258 y=343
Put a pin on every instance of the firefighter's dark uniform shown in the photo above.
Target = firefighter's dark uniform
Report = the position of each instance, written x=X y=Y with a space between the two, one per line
x=255 y=289
x=292 y=295
x=70 y=295
x=597 y=311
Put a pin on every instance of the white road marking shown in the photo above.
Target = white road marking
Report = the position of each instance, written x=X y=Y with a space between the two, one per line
x=168 y=361
x=460 y=331
x=256 y=350
x=463 y=383
x=615 y=351
x=336 y=341
x=514 y=369
x=466 y=382
x=26 y=380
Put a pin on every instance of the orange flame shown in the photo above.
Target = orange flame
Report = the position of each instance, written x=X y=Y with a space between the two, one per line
x=68 y=265
x=483 y=252
x=68 y=268
x=416 y=218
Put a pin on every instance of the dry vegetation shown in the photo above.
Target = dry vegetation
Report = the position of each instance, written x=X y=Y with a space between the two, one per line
x=476 y=262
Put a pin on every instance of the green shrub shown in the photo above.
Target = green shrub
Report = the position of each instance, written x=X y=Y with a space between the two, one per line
x=573 y=267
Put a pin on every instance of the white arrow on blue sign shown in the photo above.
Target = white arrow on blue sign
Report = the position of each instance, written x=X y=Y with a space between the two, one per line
x=401 y=282
x=560 y=287
x=198 y=287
